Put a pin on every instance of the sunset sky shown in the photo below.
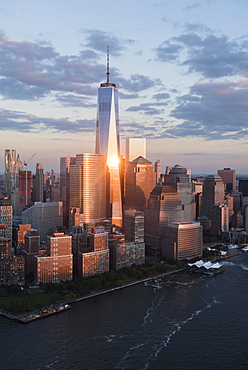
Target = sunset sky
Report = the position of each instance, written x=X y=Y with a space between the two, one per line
x=181 y=68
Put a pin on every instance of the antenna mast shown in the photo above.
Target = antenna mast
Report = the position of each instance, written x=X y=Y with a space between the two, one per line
x=108 y=64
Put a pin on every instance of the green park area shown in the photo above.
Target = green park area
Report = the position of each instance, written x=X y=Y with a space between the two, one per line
x=27 y=302
x=17 y=300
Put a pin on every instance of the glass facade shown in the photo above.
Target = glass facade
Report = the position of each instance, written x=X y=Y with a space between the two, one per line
x=108 y=143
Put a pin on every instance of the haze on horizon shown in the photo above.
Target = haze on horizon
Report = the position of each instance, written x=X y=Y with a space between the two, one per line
x=181 y=69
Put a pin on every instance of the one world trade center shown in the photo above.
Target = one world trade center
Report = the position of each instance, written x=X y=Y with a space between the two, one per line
x=108 y=143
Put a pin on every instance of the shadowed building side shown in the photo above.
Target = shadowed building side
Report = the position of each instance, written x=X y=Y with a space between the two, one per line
x=164 y=206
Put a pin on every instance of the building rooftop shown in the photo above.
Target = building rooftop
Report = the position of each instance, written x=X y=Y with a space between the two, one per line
x=213 y=177
x=141 y=159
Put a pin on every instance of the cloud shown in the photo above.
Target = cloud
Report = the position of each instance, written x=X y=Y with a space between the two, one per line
x=12 y=89
x=137 y=83
x=23 y=122
x=209 y=55
x=72 y=100
x=33 y=70
x=98 y=40
x=168 y=52
x=128 y=96
x=198 y=4
x=147 y=108
x=37 y=69
x=213 y=110
x=161 y=96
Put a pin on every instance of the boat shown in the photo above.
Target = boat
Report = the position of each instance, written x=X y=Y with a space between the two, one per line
x=245 y=249
x=45 y=312
x=223 y=253
x=232 y=246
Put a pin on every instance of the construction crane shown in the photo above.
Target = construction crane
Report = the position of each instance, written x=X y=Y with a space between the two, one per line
x=26 y=185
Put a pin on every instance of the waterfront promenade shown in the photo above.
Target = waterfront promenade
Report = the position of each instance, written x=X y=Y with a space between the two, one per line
x=95 y=294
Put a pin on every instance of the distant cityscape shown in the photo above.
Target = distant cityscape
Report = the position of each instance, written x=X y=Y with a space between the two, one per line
x=104 y=211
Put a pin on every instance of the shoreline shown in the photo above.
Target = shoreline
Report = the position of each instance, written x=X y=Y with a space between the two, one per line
x=95 y=294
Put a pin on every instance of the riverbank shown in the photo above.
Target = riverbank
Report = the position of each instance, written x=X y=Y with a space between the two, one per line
x=127 y=285
x=34 y=313
x=22 y=317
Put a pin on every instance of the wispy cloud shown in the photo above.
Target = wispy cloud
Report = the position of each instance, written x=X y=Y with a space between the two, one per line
x=23 y=122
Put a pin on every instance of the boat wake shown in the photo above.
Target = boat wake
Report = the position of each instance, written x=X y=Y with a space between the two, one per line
x=167 y=314
x=156 y=284
x=51 y=363
x=151 y=310
x=147 y=347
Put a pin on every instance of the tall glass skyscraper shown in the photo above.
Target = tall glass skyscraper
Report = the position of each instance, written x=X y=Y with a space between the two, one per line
x=108 y=143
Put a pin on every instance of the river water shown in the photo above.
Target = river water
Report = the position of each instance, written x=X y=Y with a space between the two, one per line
x=181 y=321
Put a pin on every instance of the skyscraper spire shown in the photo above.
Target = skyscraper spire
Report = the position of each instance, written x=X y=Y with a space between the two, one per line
x=107 y=83
x=108 y=64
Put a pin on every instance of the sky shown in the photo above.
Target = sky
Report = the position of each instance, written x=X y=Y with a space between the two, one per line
x=181 y=69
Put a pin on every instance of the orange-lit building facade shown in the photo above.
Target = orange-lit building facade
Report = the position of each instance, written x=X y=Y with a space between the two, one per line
x=57 y=265
x=94 y=259
x=25 y=182
x=94 y=263
x=88 y=186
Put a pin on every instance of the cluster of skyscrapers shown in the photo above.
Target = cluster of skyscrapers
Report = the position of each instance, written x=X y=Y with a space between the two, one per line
x=108 y=211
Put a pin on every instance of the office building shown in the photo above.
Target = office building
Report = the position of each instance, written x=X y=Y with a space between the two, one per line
x=10 y=171
x=25 y=184
x=5 y=248
x=88 y=186
x=157 y=168
x=180 y=178
x=229 y=178
x=213 y=193
x=164 y=205
x=2 y=230
x=135 y=147
x=220 y=219
x=125 y=254
x=243 y=187
x=65 y=165
x=108 y=144
x=32 y=241
x=44 y=217
x=39 y=183
x=57 y=265
x=31 y=249
x=6 y=213
x=182 y=240
x=140 y=181
x=237 y=201
x=134 y=226
x=19 y=232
